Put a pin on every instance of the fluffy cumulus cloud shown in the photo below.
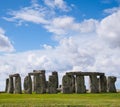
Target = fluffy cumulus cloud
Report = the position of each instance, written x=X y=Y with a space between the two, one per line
x=5 y=43
x=85 y=49
x=109 y=29
x=67 y=25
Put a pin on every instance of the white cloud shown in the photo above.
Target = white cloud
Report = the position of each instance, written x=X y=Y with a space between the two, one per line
x=60 y=4
x=112 y=10
x=5 y=43
x=109 y=29
x=34 y=13
x=67 y=25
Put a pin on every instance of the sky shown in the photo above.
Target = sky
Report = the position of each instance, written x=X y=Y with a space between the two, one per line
x=60 y=35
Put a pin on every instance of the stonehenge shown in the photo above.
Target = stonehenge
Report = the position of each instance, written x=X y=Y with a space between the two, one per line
x=72 y=82
x=13 y=84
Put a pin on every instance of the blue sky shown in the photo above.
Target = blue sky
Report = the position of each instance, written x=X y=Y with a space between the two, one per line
x=62 y=35
x=30 y=36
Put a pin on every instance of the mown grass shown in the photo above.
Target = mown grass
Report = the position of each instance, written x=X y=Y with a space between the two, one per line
x=60 y=100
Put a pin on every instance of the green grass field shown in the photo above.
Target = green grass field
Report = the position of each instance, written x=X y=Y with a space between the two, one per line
x=60 y=100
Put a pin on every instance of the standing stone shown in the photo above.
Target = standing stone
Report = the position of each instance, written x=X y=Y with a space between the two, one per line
x=18 y=89
x=55 y=74
x=52 y=84
x=34 y=80
x=111 y=84
x=94 y=84
x=10 y=86
x=42 y=82
x=7 y=84
x=66 y=84
x=37 y=83
x=28 y=85
x=103 y=84
x=80 y=84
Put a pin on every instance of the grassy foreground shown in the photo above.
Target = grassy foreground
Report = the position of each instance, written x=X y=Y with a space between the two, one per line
x=60 y=100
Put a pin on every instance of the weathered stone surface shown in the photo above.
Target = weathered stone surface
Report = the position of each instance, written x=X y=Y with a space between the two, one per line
x=37 y=84
x=28 y=85
x=55 y=74
x=80 y=84
x=10 y=86
x=111 y=84
x=66 y=84
x=94 y=84
x=52 y=88
x=42 y=82
x=18 y=89
x=7 y=85
x=85 y=73
x=103 y=84
x=14 y=75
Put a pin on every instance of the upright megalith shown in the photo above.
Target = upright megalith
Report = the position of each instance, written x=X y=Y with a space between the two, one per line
x=66 y=84
x=52 y=84
x=7 y=85
x=111 y=84
x=94 y=83
x=80 y=84
x=18 y=89
x=72 y=77
x=10 y=85
x=102 y=83
x=73 y=84
x=42 y=82
x=55 y=74
x=37 y=83
x=28 y=85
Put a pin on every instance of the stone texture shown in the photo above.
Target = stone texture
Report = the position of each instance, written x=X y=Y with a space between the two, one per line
x=7 y=85
x=111 y=84
x=52 y=88
x=28 y=85
x=55 y=74
x=42 y=82
x=80 y=84
x=37 y=83
x=10 y=86
x=102 y=84
x=18 y=89
x=66 y=84
x=84 y=73
x=94 y=84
